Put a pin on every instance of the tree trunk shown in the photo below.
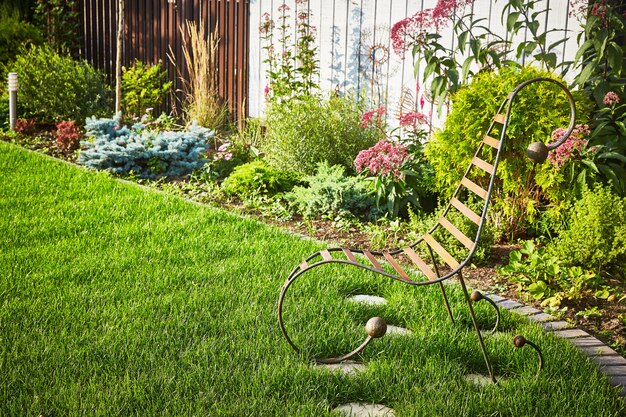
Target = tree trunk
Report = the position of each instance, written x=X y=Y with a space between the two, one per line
x=118 y=56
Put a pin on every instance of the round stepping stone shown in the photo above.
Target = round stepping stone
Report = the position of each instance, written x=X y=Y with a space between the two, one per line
x=397 y=331
x=345 y=367
x=367 y=299
x=364 y=410
x=481 y=380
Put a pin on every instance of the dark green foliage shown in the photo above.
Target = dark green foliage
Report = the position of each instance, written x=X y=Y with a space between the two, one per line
x=596 y=233
x=15 y=34
x=305 y=131
x=521 y=188
x=257 y=178
x=143 y=87
x=54 y=88
x=146 y=153
x=331 y=192
x=60 y=21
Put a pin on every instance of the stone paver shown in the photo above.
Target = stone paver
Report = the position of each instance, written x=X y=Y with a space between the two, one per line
x=609 y=360
x=397 y=331
x=541 y=317
x=364 y=410
x=555 y=325
x=614 y=371
x=345 y=367
x=572 y=333
x=526 y=311
x=495 y=298
x=367 y=299
x=508 y=304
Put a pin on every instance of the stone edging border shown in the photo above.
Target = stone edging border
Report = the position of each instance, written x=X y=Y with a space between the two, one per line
x=610 y=363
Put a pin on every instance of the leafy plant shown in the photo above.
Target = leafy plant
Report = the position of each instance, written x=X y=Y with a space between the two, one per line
x=15 y=34
x=546 y=278
x=293 y=66
x=446 y=69
x=330 y=193
x=522 y=189
x=308 y=130
x=143 y=87
x=25 y=126
x=596 y=234
x=258 y=178
x=54 y=88
x=67 y=137
x=146 y=153
x=60 y=21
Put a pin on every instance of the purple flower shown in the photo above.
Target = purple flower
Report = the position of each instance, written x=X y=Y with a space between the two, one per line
x=572 y=148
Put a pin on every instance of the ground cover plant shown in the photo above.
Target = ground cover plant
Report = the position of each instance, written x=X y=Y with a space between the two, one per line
x=116 y=299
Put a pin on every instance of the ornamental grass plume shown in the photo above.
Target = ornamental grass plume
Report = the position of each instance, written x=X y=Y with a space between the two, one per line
x=383 y=159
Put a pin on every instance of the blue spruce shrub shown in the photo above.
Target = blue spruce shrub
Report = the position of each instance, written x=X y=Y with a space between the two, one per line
x=148 y=154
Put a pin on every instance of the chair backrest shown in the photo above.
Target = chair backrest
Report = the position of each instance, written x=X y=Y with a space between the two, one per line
x=478 y=182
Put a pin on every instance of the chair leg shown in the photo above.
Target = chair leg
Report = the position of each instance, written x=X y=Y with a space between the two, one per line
x=480 y=336
x=445 y=300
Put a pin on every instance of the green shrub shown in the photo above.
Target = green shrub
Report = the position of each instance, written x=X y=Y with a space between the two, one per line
x=521 y=187
x=331 y=192
x=257 y=178
x=54 y=88
x=596 y=233
x=143 y=87
x=305 y=131
x=15 y=34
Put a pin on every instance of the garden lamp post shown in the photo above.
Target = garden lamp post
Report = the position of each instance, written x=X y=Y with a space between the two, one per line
x=12 y=99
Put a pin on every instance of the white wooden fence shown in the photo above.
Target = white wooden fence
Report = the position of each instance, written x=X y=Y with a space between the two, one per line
x=348 y=30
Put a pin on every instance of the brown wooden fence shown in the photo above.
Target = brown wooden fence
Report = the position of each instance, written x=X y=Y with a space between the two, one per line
x=152 y=27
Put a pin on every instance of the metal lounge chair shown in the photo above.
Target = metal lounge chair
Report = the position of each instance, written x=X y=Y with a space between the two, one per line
x=373 y=260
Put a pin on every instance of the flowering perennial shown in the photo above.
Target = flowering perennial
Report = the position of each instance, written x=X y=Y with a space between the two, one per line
x=411 y=30
x=572 y=148
x=375 y=115
x=412 y=119
x=383 y=159
x=611 y=98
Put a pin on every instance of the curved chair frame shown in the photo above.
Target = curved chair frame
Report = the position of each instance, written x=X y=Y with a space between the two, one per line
x=537 y=152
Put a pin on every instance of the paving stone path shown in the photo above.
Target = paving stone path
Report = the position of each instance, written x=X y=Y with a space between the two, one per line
x=610 y=362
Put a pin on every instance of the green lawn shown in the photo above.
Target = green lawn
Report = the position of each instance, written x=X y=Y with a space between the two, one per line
x=117 y=300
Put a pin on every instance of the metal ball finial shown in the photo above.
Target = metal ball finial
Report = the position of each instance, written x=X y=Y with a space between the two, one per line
x=476 y=296
x=519 y=341
x=376 y=327
x=537 y=152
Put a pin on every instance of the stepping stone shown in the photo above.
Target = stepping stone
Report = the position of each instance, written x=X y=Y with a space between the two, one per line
x=367 y=299
x=364 y=410
x=345 y=367
x=495 y=298
x=397 y=331
x=573 y=334
x=479 y=379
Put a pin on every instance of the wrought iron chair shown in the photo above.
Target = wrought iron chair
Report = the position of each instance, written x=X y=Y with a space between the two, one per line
x=372 y=260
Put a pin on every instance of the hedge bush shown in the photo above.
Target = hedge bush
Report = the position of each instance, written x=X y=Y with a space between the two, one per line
x=257 y=178
x=53 y=88
x=305 y=131
x=521 y=188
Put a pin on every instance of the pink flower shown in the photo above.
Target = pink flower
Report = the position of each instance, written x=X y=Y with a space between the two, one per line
x=411 y=30
x=375 y=114
x=572 y=148
x=383 y=159
x=412 y=119
x=611 y=98
x=266 y=91
x=228 y=156
x=283 y=7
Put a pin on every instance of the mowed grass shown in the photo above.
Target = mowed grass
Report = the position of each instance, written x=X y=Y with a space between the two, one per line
x=117 y=300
